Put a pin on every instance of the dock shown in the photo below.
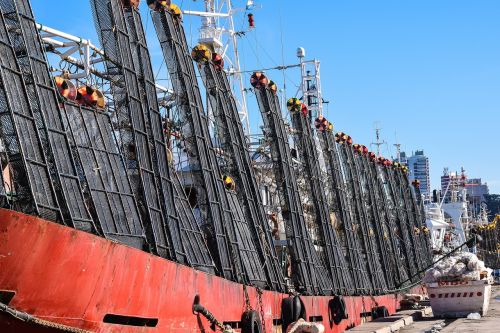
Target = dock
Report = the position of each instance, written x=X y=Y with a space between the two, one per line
x=422 y=321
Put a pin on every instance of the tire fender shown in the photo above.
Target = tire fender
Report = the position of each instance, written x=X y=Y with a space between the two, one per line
x=251 y=322
x=292 y=309
x=337 y=311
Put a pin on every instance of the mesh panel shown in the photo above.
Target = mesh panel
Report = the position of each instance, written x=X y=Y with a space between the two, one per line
x=329 y=241
x=308 y=273
x=223 y=214
x=103 y=167
x=43 y=104
x=21 y=131
x=237 y=164
x=171 y=224
x=369 y=223
x=341 y=204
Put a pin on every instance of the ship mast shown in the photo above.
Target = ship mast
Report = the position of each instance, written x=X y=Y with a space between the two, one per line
x=378 y=143
x=212 y=35
x=310 y=85
x=398 y=151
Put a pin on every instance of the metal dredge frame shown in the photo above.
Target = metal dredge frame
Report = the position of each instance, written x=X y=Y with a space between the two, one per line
x=238 y=165
x=329 y=240
x=95 y=146
x=170 y=224
x=359 y=214
x=368 y=222
x=34 y=191
x=233 y=247
x=47 y=115
x=341 y=205
x=308 y=274
x=391 y=262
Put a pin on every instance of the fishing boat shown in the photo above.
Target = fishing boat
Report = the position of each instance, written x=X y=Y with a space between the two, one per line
x=101 y=231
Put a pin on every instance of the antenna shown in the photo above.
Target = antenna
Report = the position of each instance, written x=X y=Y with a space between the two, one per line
x=378 y=143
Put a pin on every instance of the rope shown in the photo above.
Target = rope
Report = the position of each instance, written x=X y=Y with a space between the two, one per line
x=23 y=316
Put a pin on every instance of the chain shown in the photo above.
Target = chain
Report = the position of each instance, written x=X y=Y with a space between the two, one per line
x=248 y=306
x=263 y=320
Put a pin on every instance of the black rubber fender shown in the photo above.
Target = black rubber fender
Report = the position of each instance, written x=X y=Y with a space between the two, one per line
x=292 y=309
x=379 y=312
x=250 y=322
x=337 y=311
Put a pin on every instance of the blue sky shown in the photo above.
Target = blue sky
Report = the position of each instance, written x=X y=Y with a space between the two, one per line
x=428 y=72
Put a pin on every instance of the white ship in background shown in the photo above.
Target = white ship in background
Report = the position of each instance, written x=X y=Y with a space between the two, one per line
x=450 y=216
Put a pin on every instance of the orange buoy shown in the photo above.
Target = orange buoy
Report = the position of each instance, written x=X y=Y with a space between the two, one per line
x=101 y=102
x=273 y=87
x=294 y=105
x=201 y=53
x=258 y=80
x=229 y=183
x=89 y=96
x=348 y=139
x=176 y=11
x=304 y=110
x=321 y=123
x=170 y=156
x=131 y=3
x=251 y=22
x=66 y=88
x=158 y=5
x=218 y=61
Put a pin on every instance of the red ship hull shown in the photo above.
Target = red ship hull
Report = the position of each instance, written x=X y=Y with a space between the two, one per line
x=73 y=278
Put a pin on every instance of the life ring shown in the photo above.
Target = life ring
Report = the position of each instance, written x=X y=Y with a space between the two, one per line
x=258 y=80
x=251 y=322
x=292 y=309
x=337 y=311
